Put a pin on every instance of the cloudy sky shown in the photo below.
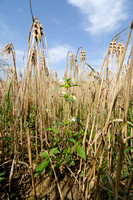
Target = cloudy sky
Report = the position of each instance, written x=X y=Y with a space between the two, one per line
x=68 y=24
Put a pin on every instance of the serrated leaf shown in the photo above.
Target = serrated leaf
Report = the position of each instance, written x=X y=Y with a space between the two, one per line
x=54 y=151
x=81 y=152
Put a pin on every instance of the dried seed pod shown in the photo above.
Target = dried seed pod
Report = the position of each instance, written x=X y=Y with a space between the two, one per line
x=112 y=46
x=120 y=47
x=33 y=57
x=43 y=61
x=71 y=59
x=82 y=55
x=11 y=69
x=37 y=30
x=87 y=75
x=126 y=67
x=8 y=48
x=76 y=67
x=46 y=71
x=8 y=70
x=55 y=74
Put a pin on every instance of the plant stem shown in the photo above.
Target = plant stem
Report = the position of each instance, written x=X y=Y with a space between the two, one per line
x=67 y=104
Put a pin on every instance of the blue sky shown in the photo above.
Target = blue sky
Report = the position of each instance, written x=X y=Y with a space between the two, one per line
x=68 y=24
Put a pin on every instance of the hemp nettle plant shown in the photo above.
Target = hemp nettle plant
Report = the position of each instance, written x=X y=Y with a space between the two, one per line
x=63 y=152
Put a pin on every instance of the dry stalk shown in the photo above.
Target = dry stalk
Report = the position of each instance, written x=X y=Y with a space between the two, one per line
x=29 y=144
x=92 y=169
x=117 y=80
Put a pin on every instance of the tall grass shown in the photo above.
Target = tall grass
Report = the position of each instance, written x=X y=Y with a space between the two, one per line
x=91 y=110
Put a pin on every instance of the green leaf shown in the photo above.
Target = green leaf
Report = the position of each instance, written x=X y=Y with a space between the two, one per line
x=75 y=85
x=69 y=99
x=1 y=178
x=70 y=132
x=1 y=174
x=54 y=143
x=45 y=155
x=76 y=135
x=72 y=140
x=67 y=80
x=66 y=122
x=69 y=161
x=81 y=152
x=59 y=123
x=109 y=194
x=48 y=129
x=41 y=168
x=54 y=151
x=128 y=149
x=55 y=131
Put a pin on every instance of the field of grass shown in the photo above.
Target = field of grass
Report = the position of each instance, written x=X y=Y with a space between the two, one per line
x=70 y=138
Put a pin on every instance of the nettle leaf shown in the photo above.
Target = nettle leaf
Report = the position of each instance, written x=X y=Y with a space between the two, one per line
x=54 y=151
x=45 y=155
x=81 y=152
x=41 y=168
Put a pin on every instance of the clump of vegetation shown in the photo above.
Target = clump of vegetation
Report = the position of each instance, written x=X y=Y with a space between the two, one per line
x=78 y=130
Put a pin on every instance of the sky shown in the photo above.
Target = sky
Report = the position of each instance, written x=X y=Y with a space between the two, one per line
x=68 y=24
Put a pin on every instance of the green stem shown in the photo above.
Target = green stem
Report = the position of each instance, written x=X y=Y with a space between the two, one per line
x=67 y=104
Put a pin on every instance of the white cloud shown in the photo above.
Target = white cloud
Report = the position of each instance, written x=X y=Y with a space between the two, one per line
x=102 y=15
x=58 y=57
x=58 y=53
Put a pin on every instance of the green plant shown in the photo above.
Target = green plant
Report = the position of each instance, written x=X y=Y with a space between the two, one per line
x=63 y=151
x=1 y=176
